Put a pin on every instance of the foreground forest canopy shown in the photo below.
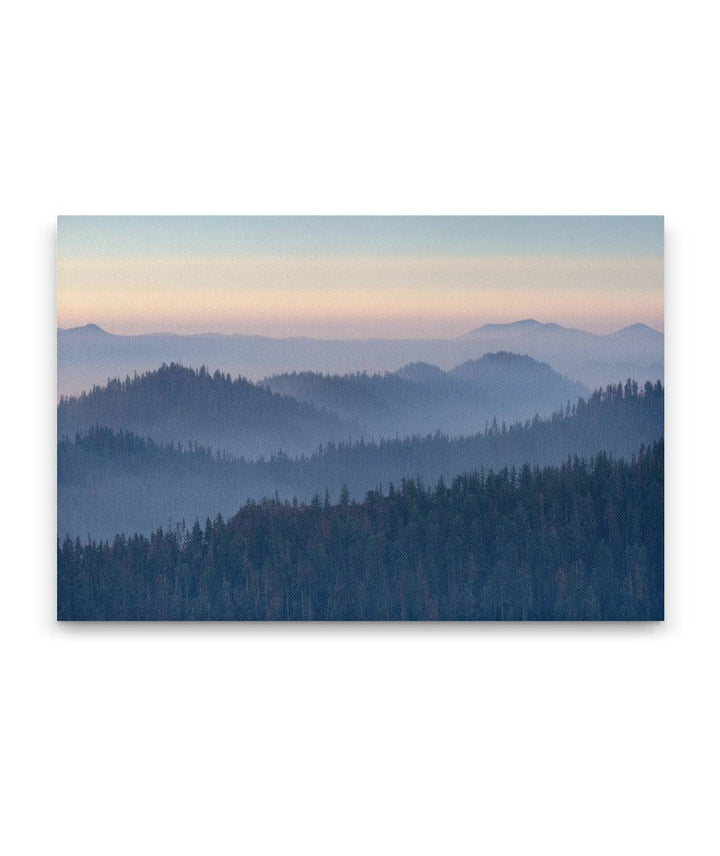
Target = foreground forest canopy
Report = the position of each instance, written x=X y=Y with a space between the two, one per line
x=116 y=481
x=578 y=541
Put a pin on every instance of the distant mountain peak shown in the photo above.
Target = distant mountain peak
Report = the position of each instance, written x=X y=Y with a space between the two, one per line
x=639 y=328
x=526 y=322
x=525 y=325
x=531 y=325
x=86 y=328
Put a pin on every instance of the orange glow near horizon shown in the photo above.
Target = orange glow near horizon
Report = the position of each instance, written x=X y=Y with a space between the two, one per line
x=356 y=296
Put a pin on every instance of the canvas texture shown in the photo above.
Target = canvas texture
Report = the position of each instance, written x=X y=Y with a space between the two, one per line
x=360 y=419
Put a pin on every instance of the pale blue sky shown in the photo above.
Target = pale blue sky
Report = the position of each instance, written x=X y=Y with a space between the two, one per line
x=357 y=276
x=413 y=236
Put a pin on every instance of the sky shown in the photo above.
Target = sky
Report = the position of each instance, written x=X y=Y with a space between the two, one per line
x=354 y=277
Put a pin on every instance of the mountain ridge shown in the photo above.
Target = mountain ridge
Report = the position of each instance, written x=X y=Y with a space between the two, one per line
x=522 y=324
x=90 y=355
x=422 y=397
x=530 y=324
x=176 y=403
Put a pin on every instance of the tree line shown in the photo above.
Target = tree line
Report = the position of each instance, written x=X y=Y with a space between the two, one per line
x=579 y=541
x=111 y=481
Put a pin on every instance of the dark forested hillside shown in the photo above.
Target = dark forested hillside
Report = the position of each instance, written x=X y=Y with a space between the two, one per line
x=421 y=398
x=298 y=411
x=179 y=404
x=572 y=542
x=112 y=482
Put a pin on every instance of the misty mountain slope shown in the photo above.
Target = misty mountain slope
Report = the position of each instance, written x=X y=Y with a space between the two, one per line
x=421 y=398
x=377 y=403
x=89 y=355
x=175 y=403
x=595 y=359
x=530 y=330
x=112 y=482
x=390 y=405
x=521 y=383
x=427 y=375
x=295 y=412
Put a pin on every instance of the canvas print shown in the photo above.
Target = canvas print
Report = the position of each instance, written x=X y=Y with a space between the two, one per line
x=360 y=418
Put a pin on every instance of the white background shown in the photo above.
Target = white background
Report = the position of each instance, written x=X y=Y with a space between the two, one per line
x=359 y=739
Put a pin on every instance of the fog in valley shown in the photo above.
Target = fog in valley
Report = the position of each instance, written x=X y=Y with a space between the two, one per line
x=168 y=441
x=89 y=355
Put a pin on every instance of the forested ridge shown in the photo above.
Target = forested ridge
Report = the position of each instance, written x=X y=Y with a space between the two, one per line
x=175 y=403
x=422 y=398
x=297 y=411
x=111 y=481
x=575 y=541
